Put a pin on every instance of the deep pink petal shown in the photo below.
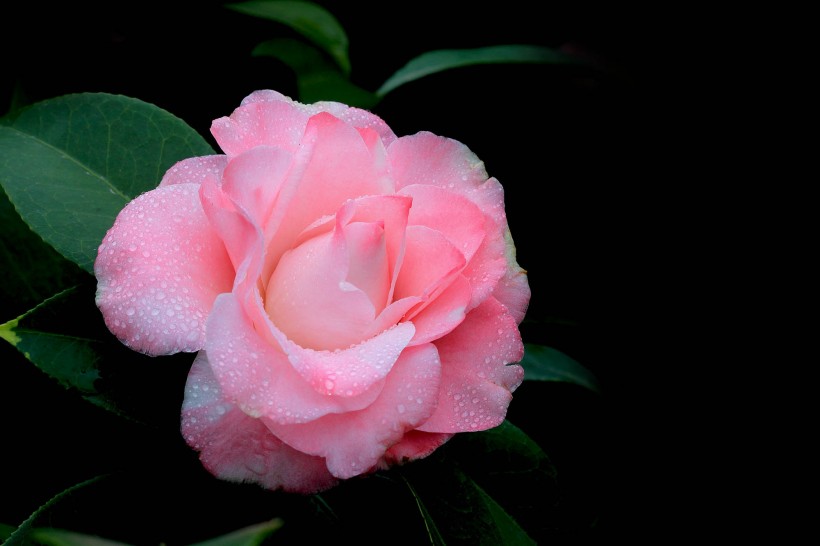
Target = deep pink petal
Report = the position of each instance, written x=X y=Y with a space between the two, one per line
x=477 y=380
x=159 y=269
x=336 y=165
x=238 y=448
x=414 y=445
x=430 y=263
x=195 y=170
x=444 y=313
x=355 y=442
x=451 y=214
x=257 y=375
x=242 y=237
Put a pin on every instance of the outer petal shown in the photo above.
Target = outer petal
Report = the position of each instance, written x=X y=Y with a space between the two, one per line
x=476 y=381
x=425 y=158
x=355 y=442
x=415 y=445
x=236 y=447
x=195 y=170
x=158 y=270
x=268 y=118
x=513 y=290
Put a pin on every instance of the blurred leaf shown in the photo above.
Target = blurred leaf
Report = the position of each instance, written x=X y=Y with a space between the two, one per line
x=310 y=20
x=5 y=531
x=70 y=164
x=249 y=536
x=317 y=79
x=20 y=536
x=32 y=270
x=446 y=59
x=61 y=537
x=542 y=363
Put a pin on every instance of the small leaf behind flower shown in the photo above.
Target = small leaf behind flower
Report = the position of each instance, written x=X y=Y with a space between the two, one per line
x=316 y=77
x=542 y=363
x=70 y=164
x=310 y=20
x=446 y=59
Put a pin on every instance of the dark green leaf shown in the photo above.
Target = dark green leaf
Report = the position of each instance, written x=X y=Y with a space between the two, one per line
x=446 y=59
x=542 y=363
x=61 y=537
x=456 y=510
x=316 y=78
x=80 y=353
x=514 y=471
x=20 y=537
x=32 y=270
x=5 y=531
x=248 y=536
x=70 y=164
x=57 y=346
x=310 y=20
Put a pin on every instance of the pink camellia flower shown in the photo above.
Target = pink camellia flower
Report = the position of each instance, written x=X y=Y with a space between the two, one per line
x=353 y=296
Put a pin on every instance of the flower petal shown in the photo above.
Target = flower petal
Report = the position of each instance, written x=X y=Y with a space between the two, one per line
x=444 y=313
x=425 y=158
x=354 y=443
x=476 y=378
x=195 y=170
x=414 y=445
x=452 y=215
x=310 y=296
x=337 y=166
x=254 y=178
x=158 y=270
x=430 y=264
x=257 y=375
x=238 y=448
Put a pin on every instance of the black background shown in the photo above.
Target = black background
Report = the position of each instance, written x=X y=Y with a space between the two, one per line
x=577 y=150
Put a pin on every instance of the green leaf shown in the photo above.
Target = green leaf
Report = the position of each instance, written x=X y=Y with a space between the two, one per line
x=80 y=353
x=456 y=510
x=514 y=471
x=57 y=346
x=70 y=164
x=542 y=363
x=20 y=537
x=446 y=59
x=61 y=537
x=6 y=531
x=32 y=270
x=308 y=19
x=252 y=535
x=317 y=78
